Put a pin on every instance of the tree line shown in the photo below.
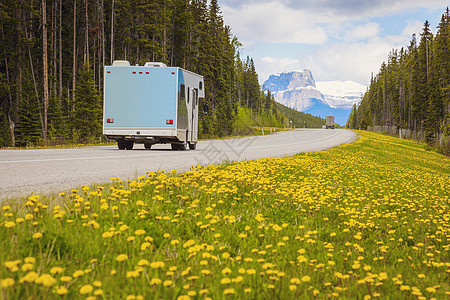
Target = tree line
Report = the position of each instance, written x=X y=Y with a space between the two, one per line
x=412 y=89
x=53 y=53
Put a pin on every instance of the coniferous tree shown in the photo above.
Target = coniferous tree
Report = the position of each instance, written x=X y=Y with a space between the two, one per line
x=87 y=111
x=412 y=88
x=189 y=34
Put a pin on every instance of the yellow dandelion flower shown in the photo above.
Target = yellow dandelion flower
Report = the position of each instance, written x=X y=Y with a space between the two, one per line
x=155 y=281
x=121 y=257
x=97 y=283
x=251 y=271
x=157 y=265
x=229 y=291
x=167 y=282
x=133 y=274
x=30 y=277
x=139 y=232
x=78 y=273
x=56 y=270
x=46 y=280
x=30 y=260
x=188 y=244
x=37 y=235
x=98 y=292
x=61 y=290
x=124 y=227
x=65 y=278
x=225 y=280
x=145 y=246
x=7 y=282
x=86 y=289
x=306 y=278
x=143 y=263
x=206 y=272
x=292 y=287
x=27 y=267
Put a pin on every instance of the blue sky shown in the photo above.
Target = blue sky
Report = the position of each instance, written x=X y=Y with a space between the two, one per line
x=335 y=39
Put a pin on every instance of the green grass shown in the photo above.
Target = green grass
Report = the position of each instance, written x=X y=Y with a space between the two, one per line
x=367 y=219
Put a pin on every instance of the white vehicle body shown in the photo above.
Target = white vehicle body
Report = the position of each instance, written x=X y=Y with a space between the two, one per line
x=151 y=104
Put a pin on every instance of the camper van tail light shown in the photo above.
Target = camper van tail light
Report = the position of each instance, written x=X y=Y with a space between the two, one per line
x=110 y=120
x=108 y=72
x=173 y=73
x=169 y=122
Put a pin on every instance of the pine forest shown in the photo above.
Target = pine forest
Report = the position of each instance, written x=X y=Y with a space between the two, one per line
x=412 y=89
x=53 y=53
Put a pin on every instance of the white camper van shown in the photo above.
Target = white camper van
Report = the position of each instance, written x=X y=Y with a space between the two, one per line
x=151 y=104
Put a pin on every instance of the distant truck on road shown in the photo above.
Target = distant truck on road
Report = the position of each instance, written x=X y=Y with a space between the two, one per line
x=151 y=104
x=329 y=122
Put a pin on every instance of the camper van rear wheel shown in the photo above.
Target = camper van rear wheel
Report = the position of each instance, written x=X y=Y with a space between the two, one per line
x=178 y=146
x=121 y=145
x=192 y=146
x=147 y=145
x=129 y=145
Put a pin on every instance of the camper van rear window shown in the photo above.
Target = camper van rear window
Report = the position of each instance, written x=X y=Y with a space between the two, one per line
x=182 y=93
x=200 y=85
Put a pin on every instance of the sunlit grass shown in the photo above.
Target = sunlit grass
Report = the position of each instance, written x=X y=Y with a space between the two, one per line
x=365 y=220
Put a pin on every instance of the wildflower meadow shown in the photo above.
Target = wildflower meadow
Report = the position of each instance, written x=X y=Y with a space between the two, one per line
x=365 y=220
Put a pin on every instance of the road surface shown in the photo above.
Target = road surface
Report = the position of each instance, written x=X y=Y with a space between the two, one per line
x=26 y=172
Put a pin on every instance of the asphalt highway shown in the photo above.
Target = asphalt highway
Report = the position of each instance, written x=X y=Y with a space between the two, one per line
x=44 y=171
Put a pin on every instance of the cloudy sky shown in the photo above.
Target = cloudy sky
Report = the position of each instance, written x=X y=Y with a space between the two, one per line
x=335 y=39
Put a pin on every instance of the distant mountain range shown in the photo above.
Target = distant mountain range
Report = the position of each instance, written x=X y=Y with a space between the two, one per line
x=298 y=90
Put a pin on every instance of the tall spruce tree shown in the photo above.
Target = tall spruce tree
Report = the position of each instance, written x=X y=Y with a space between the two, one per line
x=87 y=109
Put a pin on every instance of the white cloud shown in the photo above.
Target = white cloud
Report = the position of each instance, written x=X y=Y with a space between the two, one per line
x=337 y=61
x=274 y=23
x=343 y=10
x=364 y=31
x=344 y=42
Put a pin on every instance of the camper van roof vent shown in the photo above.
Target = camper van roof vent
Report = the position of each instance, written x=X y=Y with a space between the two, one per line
x=121 y=63
x=155 y=64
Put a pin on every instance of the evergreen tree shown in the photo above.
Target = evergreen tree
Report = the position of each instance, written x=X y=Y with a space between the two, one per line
x=28 y=131
x=87 y=109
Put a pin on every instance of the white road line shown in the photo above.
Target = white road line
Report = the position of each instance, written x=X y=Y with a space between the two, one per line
x=161 y=154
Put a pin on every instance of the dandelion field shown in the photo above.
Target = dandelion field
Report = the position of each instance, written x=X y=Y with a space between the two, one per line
x=364 y=220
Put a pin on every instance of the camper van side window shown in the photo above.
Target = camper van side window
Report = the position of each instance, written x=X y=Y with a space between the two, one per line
x=189 y=92
x=182 y=93
x=200 y=85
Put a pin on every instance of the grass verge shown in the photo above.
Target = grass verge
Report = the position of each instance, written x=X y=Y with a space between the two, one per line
x=365 y=220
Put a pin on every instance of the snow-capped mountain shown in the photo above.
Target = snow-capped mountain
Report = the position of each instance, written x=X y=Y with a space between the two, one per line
x=341 y=93
x=298 y=90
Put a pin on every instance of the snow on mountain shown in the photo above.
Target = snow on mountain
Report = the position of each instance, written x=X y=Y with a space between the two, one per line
x=341 y=94
x=298 y=90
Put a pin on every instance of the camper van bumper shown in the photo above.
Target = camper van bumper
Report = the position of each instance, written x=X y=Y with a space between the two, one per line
x=144 y=135
x=140 y=132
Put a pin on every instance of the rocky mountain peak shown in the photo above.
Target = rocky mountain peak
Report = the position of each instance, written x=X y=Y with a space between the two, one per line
x=297 y=90
x=289 y=81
